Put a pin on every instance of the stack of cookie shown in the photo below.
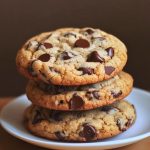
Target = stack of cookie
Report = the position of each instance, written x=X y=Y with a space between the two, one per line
x=76 y=85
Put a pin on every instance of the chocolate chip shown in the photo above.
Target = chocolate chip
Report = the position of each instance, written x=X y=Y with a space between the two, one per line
x=44 y=57
x=82 y=43
x=56 y=115
x=106 y=108
x=76 y=102
x=60 y=135
x=110 y=51
x=66 y=56
x=30 y=69
x=116 y=94
x=70 y=34
x=37 y=118
x=61 y=102
x=44 y=46
x=93 y=94
x=89 y=95
x=85 y=70
x=94 y=57
x=48 y=45
x=109 y=69
x=89 y=31
x=89 y=132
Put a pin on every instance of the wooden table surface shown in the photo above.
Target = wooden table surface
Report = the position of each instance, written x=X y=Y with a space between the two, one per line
x=8 y=142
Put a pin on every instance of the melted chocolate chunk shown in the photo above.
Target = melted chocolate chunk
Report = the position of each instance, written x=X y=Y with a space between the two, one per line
x=44 y=57
x=61 y=102
x=89 y=132
x=116 y=94
x=37 y=118
x=76 y=102
x=60 y=135
x=93 y=94
x=48 y=45
x=85 y=70
x=82 y=43
x=89 y=95
x=94 y=57
x=30 y=69
x=110 y=51
x=56 y=115
x=109 y=70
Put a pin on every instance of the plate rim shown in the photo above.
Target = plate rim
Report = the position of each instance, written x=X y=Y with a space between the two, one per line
x=71 y=144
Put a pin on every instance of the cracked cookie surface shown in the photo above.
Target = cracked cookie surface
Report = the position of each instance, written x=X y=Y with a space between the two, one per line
x=89 y=125
x=80 y=97
x=72 y=56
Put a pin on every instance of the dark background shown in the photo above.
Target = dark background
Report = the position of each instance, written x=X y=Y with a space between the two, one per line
x=20 y=19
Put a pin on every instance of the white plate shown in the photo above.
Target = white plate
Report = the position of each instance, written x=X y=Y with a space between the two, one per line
x=12 y=116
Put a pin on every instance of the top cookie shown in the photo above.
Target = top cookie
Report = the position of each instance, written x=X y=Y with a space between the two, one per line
x=72 y=56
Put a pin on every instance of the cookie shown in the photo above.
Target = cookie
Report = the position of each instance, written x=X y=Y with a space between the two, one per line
x=89 y=125
x=72 y=56
x=80 y=97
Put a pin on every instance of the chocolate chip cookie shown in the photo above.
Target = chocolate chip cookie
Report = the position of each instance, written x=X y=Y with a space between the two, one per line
x=72 y=56
x=80 y=97
x=89 y=125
